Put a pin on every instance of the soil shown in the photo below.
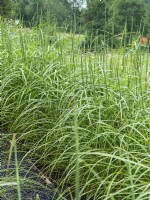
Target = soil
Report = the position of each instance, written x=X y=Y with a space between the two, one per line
x=33 y=184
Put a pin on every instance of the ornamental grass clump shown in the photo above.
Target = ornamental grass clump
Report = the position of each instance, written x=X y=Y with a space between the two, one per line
x=83 y=118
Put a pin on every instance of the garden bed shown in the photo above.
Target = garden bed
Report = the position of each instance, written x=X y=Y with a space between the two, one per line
x=33 y=184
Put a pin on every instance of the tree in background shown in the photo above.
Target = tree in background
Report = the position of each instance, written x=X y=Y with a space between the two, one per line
x=97 y=18
x=133 y=14
x=31 y=12
x=132 y=18
x=108 y=18
x=59 y=9
x=5 y=8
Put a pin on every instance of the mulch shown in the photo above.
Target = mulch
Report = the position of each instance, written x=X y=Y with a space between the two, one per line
x=33 y=184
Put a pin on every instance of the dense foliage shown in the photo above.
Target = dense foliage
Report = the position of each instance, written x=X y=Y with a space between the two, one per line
x=33 y=12
x=99 y=19
x=116 y=17
x=134 y=14
x=83 y=118
x=5 y=7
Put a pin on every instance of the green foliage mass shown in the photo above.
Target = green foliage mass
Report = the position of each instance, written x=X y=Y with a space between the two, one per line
x=85 y=118
x=114 y=17
x=97 y=16
x=134 y=14
x=5 y=7
x=33 y=11
x=100 y=19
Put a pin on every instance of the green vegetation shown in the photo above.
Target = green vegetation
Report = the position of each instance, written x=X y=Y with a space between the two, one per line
x=103 y=20
x=75 y=88
x=32 y=12
x=5 y=8
x=107 y=20
x=84 y=118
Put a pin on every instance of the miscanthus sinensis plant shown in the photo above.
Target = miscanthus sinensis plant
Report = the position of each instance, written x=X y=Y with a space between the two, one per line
x=84 y=118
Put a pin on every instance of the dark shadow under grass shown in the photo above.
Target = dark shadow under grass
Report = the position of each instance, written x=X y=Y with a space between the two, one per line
x=34 y=185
